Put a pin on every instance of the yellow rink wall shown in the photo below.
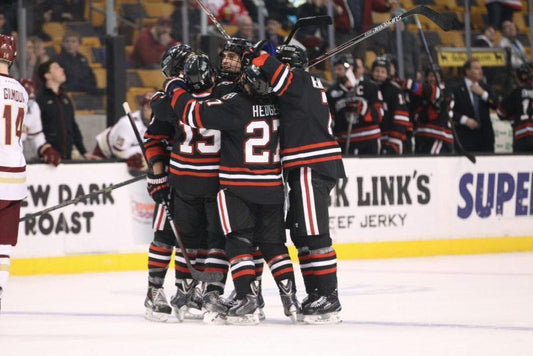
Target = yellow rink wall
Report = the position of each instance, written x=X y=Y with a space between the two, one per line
x=349 y=251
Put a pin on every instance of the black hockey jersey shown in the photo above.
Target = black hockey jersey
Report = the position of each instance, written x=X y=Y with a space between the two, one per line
x=396 y=120
x=250 y=163
x=518 y=107
x=369 y=111
x=431 y=111
x=306 y=123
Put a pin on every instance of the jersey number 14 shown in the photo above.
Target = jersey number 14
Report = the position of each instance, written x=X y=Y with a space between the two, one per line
x=12 y=128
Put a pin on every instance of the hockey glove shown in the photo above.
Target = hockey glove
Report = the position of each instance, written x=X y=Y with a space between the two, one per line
x=49 y=155
x=158 y=187
x=252 y=52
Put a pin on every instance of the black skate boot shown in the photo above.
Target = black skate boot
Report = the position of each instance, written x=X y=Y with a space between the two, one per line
x=291 y=306
x=323 y=310
x=157 y=308
x=310 y=298
x=245 y=311
x=185 y=307
x=216 y=307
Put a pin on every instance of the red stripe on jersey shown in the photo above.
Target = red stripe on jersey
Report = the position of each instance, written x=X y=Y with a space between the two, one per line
x=260 y=61
x=177 y=93
x=197 y=116
x=276 y=74
x=186 y=111
x=311 y=161
x=401 y=113
x=247 y=170
x=243 y=273
x=309 y=147
x=156 y=137
x=289 y=81
x=13 y=169
x=322 y=255
x=195 y=160
x=310 y=208
x=435 y=136
x=193 y=174
x=248 y=184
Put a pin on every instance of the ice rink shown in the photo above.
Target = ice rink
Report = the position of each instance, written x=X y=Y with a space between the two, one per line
x=459 y=305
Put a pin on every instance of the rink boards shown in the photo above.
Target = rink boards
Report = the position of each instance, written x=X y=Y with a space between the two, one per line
x=387 y=207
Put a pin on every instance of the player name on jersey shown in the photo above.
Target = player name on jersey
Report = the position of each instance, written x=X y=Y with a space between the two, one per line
x=13 y=94
x=265 y=110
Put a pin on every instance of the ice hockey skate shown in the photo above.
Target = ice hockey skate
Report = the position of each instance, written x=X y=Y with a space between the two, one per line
x=245 y=311
x=291 y=306
x=323 y=310
x=216 y=308
x=157 y=308
x=187 y=302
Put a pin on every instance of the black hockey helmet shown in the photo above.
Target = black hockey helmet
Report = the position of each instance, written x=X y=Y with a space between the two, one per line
x=198 y=73
x=239 y=46
x=258 y=82
x=345 y=59
x=295 y=56
x=523 y=73
x=381 y=62
x=174 y=59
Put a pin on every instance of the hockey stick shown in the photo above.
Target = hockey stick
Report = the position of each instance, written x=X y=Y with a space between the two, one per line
x=460 y=147
x=445 y=22
x=348 y=138
x=308 y=21
x=212 y=17
x=83 y=197
x=208 y=277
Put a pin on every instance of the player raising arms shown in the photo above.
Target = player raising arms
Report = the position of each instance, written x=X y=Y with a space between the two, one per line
x=13 y=107
x=311 y=159
x=250 y=202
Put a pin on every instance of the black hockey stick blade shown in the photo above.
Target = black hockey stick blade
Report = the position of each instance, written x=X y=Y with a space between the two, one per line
x=445 y=21
x=308 y=21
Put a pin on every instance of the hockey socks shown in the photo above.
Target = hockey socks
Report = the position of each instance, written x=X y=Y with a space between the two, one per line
x=243 y=274
x=319 y=270
x=159 y=256
x=217 y=261
x=182 y=271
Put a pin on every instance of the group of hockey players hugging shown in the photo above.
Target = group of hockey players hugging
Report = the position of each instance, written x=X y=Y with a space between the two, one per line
x=241 y=136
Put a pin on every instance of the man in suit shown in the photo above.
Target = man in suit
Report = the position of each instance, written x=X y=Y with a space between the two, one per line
x=473 y=100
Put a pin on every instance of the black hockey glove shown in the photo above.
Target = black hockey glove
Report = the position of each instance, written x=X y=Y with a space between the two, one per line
x=252 y=52
x=158 y=187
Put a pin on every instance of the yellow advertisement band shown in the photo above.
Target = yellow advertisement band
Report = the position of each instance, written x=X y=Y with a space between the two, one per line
x=349 y=251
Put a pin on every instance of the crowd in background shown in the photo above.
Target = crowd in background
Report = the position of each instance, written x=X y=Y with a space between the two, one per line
x=351 y=18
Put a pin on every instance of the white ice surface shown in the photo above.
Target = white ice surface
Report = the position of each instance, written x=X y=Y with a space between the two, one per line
x=460 y=305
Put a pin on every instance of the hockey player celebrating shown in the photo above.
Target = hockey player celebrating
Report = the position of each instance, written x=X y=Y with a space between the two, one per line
x=395 y=118
x=357 y=101
x=13 y=105
x=32 y=129
x=431 y=109
x=311 y=159
x=518 y=107
x=250 y=202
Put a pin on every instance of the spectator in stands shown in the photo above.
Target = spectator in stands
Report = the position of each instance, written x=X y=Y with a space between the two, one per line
x=152 y=43
x=274 y=39
x=5 y=27
x=246 y=28
x=231 y=11
x=473 y=100
x=486 y=39
x=511 y=42
x=283 y=7
x=500 y=11
x=194 y=13
x=80 y=76
x=57 y=112
x=312 y=36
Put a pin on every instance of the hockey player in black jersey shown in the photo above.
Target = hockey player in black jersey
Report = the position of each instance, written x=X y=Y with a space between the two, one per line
x=396 y=117
x=157 y=146
x=356 y=100
x=312 y=162
x=431 y=110
x=250 y=202
x=518 y=107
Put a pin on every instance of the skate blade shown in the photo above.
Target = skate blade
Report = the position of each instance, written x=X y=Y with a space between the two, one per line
x=294 y=317
x=214 y=318
x=180 y=312
x=155 y=316
x=248 y=319
x=194 y=314
x=261 y=314
x=329 y=318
